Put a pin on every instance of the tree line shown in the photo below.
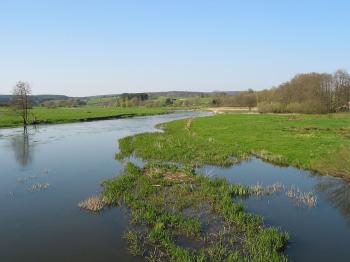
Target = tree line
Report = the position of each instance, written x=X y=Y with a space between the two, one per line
x=304 y=93
x=242 y=99
x=63 y=103
x=308 y=93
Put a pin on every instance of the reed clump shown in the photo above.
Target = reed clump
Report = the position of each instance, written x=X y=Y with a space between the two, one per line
x=308 y=199
x=39 y=187
x=93 y=203
x=260 y=190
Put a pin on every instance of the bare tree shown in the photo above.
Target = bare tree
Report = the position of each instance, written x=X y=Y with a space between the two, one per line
x=341 y=80
x=20 y=101
x=310 y=93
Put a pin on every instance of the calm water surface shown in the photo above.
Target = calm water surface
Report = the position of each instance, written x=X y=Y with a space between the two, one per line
x=320 y=233
x=74 y=158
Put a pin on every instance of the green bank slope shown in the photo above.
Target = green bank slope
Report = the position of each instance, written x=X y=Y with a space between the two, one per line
x=9 y=118
x=315 y=142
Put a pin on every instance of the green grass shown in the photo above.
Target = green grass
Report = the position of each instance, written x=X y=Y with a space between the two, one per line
x=8 y=118
x=314 y=142
x=178 y=215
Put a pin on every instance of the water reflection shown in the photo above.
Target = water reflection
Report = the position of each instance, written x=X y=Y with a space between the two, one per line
x=22 y=148
x=336 y=192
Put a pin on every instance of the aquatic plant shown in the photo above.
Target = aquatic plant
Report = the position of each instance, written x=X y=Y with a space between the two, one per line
x=178 y=215
x=308 y=199
x=93 y=203
x=260 y=190
x=39 y=187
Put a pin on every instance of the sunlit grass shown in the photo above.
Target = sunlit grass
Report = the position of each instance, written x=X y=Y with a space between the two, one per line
x=315 y=142
x=8 y=118
x=190 y=217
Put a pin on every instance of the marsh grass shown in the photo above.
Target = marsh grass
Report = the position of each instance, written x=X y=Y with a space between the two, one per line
x=300 y=198
x=39 y=187
x=260 y=190
x=308 y=199
x=178 y=215
x=93 y=203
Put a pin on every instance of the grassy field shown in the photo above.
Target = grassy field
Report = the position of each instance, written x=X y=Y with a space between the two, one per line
x=9 y=118
x=178 y=215
x=315 y=142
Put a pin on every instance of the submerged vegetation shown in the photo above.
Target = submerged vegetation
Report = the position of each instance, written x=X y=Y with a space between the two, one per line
x=314 y=142
x=178 y=215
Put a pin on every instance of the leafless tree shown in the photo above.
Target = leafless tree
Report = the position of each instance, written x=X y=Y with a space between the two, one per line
x=309 y=93
x=341 y=81
x=21 y=102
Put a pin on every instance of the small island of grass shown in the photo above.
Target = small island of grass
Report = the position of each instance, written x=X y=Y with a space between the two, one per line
x=177 y=215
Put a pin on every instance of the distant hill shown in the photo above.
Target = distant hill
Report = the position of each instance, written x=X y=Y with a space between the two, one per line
x=38 y=99
x=177 y=94
x=5 y=98
x=167 y=94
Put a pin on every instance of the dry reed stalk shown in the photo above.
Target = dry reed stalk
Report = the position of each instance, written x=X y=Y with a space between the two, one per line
x=93 y=203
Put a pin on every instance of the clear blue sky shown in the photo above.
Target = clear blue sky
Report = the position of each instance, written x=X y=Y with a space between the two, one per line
x=100 y=47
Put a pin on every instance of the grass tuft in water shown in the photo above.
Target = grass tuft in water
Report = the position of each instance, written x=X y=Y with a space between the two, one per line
x=300 y=198
x=94 y=203
x=178 y=215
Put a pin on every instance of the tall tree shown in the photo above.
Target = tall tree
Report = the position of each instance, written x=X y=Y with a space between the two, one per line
x=20 y=101
x=341 y=88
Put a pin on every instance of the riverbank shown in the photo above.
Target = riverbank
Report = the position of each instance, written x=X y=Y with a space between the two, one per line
x=68 y=115
x=221 y=110
x=178 y=215
x=314 y=142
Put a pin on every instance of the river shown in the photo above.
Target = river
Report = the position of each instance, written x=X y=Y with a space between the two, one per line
x=46 y=173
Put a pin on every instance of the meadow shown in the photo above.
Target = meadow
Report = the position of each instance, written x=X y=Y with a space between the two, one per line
x=9 y=118
x=314 y=142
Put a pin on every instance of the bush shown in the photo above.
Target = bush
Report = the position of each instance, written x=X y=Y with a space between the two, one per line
x=295 y=107
x=308 y=107
x=273 y=107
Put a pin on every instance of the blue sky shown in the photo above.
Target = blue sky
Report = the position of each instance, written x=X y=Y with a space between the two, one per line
x=99 y=47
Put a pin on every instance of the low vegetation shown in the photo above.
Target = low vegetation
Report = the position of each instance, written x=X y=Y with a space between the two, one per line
x=39 y=187
x=93 y=203
x=300 y=198
x=38 y=115
x=178 y=215
x=314 y=142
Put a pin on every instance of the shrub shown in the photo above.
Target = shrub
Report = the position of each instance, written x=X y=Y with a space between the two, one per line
x=273 y=107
